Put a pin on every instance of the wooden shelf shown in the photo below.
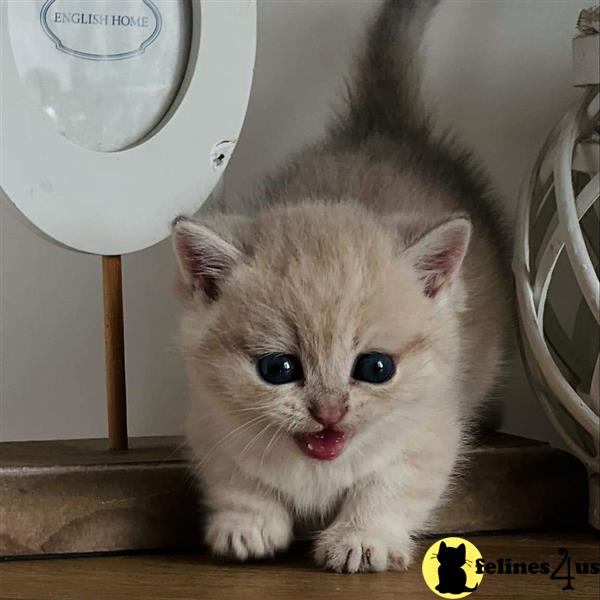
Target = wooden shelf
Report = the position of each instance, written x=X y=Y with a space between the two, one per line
x=293 y=576
x=76 y=496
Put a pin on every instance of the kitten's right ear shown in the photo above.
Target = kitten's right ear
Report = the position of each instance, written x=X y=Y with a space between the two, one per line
x=204 y=257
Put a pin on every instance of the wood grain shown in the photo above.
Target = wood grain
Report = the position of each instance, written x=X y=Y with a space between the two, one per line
x=293 y=576
x=114 y=348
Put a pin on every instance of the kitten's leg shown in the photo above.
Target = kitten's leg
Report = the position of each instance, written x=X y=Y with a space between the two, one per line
x=373 y=529
x=244 y=520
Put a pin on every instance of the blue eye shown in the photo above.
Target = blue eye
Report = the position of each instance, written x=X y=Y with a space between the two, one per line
x=374 y=367
x=280 y=368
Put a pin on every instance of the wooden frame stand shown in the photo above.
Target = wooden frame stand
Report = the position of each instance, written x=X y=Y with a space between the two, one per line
x=114 y=347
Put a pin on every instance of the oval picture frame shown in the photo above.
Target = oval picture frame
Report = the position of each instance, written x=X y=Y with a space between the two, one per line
x=118 y=202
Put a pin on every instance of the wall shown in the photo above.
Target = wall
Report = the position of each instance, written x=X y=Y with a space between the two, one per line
x=498 y=72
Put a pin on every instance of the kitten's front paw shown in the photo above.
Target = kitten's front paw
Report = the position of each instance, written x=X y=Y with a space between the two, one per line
x=243 y=535
x=346 y=549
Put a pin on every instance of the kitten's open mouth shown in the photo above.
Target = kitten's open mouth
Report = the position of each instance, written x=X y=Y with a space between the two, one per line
x=326 y=444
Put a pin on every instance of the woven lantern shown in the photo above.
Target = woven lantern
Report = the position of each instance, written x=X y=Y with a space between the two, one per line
x=556 y=267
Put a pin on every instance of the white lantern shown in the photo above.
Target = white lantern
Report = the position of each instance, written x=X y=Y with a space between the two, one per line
x=556 y=269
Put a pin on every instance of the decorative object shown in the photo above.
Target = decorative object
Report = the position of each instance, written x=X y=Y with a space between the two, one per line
x=556 y=267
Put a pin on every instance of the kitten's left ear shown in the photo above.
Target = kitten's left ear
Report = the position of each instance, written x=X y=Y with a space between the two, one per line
x=438 y=255
x=204 y=257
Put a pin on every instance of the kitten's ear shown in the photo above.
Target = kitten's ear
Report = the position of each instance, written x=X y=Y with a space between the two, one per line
x=204 y=257
x=462 y=550
x=442 y=545
x=438 y=255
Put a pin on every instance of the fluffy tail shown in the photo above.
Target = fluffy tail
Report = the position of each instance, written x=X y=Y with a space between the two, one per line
x=384 y=96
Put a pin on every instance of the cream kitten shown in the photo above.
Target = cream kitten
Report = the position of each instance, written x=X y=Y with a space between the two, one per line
x=342 y=338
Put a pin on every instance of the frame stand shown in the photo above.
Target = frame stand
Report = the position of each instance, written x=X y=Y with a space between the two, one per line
x=114 y=347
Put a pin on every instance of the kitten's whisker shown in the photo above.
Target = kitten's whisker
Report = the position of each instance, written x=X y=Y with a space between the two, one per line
x=262 y=458
x=271 y=444
x=236 y=430
x=236 y=411
x=177 y=448
x=253 y=440
x=279 y=436
x=247 y=408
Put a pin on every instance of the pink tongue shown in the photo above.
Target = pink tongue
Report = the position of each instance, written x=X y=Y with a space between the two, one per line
x=327 y=444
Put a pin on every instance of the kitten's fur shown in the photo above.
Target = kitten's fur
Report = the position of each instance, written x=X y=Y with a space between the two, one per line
x=379 y=238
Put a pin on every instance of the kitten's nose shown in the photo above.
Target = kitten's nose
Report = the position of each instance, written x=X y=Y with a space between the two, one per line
x=329 y=415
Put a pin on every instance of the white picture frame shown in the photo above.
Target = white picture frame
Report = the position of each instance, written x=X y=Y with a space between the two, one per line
x=113 y=203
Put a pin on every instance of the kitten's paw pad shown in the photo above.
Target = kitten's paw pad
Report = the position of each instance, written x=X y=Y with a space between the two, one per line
x=355 y=551
x=242 y=535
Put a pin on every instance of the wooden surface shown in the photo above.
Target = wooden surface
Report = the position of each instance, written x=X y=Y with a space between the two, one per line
x=64 y=454
x=148 y=450
x=114 y=349
x=77 y=496
x=291 y=577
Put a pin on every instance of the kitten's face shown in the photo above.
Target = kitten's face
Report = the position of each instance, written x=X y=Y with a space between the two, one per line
x=347 y=310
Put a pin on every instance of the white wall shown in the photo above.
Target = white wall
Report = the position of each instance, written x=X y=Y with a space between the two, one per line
x=499 y=73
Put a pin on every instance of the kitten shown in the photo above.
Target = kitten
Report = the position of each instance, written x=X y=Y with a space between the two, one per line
x=343 y=335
